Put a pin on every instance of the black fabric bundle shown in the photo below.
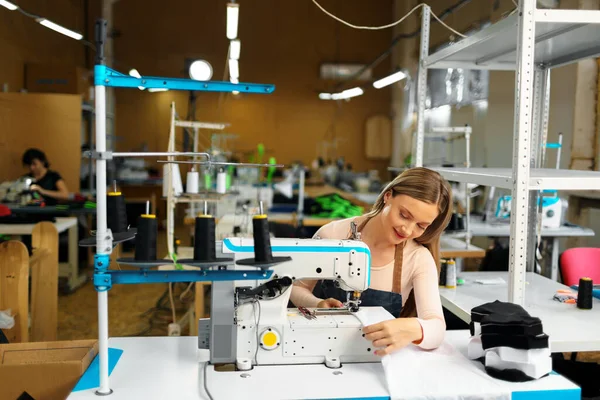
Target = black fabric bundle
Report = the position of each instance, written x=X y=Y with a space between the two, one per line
x=506 y=328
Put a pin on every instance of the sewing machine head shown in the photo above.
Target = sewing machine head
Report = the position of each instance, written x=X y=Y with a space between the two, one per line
x=346 y=262
x=265 y=331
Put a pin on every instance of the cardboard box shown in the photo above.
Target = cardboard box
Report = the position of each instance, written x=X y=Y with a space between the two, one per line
x=45 y=370
x=50 y=78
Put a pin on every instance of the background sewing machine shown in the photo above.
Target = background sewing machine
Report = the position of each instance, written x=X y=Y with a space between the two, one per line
x=554 y=208
x=253 y=325
x=16 y=191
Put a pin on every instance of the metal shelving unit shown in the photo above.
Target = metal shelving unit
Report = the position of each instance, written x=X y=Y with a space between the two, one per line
x=530 y=42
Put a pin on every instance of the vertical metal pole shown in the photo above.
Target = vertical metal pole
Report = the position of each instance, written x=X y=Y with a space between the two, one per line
x=467 y=189
x=103 y=236
x=168 y=180
x=301 y=189
x=521 y=152
x=422 y=85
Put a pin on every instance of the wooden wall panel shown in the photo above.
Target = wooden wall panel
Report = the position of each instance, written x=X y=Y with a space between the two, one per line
x=284 y=43
x=50 y=122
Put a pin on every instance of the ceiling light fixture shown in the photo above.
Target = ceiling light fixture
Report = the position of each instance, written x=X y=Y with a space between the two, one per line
x=60 y=29
x=388 y=80
x=233 y=15
x=201 y=70
x=234 y=69
x=235 y=47
x=9 y=5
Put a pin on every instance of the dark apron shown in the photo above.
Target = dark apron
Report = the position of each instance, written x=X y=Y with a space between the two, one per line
x=391 y=301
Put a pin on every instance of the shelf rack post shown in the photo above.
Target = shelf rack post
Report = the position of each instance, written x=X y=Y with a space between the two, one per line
x=422 y=85
x=521 y=151
x=539 y=134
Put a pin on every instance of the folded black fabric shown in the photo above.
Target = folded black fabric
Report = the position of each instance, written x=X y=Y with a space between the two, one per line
x=522 y=342
x=511 y=375
x=497 y=307
x=511 y=324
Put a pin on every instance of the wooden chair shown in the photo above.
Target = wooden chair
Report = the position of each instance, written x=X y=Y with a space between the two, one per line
x=44 y=282
x=15 y=265
x=14 y=288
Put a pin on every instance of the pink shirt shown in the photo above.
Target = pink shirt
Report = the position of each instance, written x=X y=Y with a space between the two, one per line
x=419 y=273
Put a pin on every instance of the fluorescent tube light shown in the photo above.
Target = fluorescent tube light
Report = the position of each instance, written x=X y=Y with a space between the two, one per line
x=153 y=90
x=234 y=69
x=234 y=80
x=60 y=29
x=235 y=47
x=388 y=80
x=8 y=4
x=325 y=96
x=346 y=94
x=233 y=15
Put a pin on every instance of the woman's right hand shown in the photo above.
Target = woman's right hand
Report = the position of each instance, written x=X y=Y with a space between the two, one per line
x=330 y=303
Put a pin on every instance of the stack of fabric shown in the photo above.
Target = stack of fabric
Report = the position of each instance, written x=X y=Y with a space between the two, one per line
x=509 y=342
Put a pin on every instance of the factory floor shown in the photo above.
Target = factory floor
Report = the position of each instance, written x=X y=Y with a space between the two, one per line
x=132 y=309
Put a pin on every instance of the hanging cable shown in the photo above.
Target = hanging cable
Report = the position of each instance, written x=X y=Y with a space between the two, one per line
x=396 y=40
x=389 y=25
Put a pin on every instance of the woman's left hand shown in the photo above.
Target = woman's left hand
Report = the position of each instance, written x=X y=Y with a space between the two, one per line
x=392 y=335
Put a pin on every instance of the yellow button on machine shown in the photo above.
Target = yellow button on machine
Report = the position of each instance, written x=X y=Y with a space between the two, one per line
x=269 y=339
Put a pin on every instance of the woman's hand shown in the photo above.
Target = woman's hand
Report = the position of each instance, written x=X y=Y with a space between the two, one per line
x=392 y=335
x=330 y=303
x=36 y=188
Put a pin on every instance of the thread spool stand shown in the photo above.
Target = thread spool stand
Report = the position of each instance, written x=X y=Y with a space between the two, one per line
x=263 y=254
x=205 y=244
x=116 y=220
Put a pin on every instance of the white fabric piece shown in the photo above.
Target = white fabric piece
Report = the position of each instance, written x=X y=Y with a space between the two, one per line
x=530 y=356
x=475 y=348
x=427 y=371
x=7 y=321
x=536 y=370
x=476 y=328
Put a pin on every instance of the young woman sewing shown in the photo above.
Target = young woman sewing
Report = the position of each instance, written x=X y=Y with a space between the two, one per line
x=403 y=233
x=48 y=183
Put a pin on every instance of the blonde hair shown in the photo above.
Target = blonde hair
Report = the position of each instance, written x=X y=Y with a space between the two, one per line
x=430 y=187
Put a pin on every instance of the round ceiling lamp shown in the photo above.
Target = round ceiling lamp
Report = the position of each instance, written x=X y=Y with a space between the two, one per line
x=201 y=70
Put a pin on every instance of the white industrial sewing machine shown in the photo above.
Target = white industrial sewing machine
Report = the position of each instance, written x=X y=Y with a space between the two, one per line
x=290 y=336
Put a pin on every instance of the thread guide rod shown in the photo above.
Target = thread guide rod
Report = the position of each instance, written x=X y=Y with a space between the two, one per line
x=147 y=207
x=205 y=207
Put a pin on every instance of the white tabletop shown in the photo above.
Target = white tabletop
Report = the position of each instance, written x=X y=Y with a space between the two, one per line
x=502 y=229
x=61 y=223
x=449 y=244
x=569 y=328
x=173 y=367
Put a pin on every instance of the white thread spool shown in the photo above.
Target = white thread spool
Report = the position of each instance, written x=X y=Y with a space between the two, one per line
x=243 y=364
x=193 y=182
x=221 y=181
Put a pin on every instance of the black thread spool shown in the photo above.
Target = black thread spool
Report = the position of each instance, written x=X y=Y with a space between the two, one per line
x=443 y=272
x=116 y=212
x=262 y=242
x=585 y=299
x=263 y=253
x=204 y=239
x=145 y=240
x=205 y=252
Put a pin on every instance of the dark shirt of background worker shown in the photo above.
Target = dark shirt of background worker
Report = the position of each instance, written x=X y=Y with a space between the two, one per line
x=49 y=184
